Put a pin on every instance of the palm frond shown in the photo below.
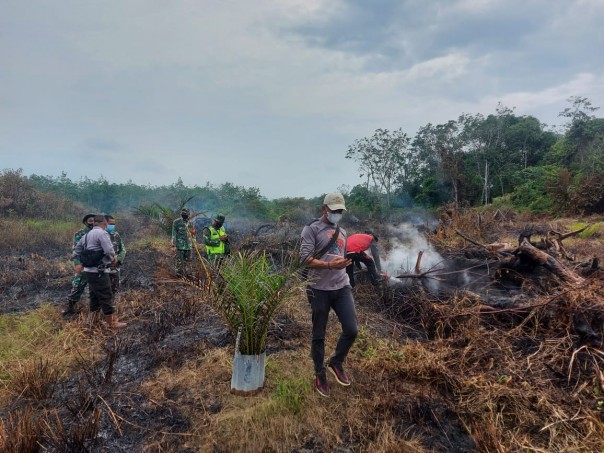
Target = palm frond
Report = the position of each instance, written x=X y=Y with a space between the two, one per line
x=247 y=291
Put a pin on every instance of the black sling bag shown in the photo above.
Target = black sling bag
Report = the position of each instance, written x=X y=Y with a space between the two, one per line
x=91 y=258
x=323 y=251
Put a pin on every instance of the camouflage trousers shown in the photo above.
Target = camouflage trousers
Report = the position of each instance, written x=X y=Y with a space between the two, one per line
x=183 y=262
x=115 y=281
x=216 y=258
x=78 y=285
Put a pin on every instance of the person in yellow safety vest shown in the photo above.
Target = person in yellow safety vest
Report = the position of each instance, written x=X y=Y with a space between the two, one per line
x=216 y=240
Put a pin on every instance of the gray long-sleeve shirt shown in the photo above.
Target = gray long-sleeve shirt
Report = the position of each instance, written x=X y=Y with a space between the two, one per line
x=314 y=237
x=96 y=239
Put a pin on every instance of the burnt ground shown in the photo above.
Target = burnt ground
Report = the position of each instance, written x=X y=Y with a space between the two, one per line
x=30 y=280
x=102 y=406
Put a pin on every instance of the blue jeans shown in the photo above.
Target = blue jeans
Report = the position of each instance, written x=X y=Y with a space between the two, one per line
x=342 y=302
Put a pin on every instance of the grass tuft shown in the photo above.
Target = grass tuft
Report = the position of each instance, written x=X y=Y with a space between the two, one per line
x=292 y=393
x=36 y=350
x=21 y=432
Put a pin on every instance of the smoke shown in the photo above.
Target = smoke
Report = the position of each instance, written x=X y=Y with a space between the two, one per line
x=405 y=243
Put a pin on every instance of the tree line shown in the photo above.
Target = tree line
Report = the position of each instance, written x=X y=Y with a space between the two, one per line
x=501 y=159
x=60 y=198
x=477 y=160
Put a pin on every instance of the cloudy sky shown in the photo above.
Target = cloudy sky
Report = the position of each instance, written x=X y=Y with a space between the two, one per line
x=270 y=93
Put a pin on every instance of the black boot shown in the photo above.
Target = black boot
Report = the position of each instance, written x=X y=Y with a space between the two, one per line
x=70 y=309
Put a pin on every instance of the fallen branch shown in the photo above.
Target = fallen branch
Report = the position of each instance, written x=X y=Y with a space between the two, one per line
x=550 y=263
x=562 y=236
x=471 y=241
x=425 y=274
x=498 y=248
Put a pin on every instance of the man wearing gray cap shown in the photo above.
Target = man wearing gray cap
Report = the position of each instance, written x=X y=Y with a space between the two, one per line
x=322 y=249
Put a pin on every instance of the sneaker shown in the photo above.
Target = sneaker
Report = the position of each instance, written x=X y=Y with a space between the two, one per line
x=339 y=373
x=321 y=384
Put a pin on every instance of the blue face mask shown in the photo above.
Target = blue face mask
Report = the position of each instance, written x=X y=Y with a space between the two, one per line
x=110 y=228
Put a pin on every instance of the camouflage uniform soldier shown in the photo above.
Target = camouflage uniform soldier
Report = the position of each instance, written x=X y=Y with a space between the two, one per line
x=183 y=233
x=120 y=253
x=79 y=281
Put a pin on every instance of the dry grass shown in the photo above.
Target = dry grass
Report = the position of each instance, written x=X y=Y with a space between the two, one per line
x=21 y=432
x=530 y=384
x=37 y=350
x=35 y=236
x=486 y=382
x=21 y=274
x=288 y=414
x=525 y=379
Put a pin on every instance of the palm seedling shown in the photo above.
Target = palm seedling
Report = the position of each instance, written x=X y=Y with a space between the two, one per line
x=162 y=215
x=247 y=289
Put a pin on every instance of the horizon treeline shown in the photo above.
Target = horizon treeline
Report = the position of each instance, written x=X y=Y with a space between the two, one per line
x=501 y=159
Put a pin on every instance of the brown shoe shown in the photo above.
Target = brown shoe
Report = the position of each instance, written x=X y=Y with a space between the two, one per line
x=112 y=321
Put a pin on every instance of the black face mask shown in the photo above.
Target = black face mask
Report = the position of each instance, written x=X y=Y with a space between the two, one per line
x=185 y=217
x=90 y=226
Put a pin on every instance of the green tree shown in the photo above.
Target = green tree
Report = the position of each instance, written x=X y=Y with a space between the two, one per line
x=385 y=160
x=581 y=149
x=363 y=202
x=440 y=150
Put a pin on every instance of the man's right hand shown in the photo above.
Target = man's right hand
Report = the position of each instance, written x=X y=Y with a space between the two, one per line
x=223 y=238
x=339 y=262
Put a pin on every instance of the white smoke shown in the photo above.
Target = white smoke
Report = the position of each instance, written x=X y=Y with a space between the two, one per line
x=405 y=243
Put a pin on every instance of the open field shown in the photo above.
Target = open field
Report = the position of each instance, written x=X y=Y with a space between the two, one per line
x=431 y=371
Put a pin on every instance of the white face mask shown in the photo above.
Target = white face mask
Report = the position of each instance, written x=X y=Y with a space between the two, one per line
x=334 y=217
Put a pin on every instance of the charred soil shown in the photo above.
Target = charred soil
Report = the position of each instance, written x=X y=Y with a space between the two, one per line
x=435 y=368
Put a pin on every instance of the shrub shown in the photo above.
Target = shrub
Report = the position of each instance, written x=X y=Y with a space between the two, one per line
x=587 y=197
x=18 y=197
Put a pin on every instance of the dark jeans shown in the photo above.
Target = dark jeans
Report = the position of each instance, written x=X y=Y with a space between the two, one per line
x=101 y=297
x=357 y=259
x=342 y=302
